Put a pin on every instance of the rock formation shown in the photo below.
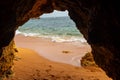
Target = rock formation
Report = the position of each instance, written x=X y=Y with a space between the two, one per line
x=87 y=60
x=98 y=21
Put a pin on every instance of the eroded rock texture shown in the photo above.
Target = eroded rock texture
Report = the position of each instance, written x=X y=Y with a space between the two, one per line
x=98 y=21
x=6 y=60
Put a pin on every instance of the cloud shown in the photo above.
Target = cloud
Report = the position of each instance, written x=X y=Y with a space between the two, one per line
x=56 y=14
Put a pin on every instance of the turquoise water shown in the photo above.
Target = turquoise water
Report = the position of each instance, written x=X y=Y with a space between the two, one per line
x=59 y=29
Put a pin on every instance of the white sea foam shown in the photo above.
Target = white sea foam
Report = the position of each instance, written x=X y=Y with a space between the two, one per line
x=18 y=32
x=71 y=39
x=76 y=60
x=27 y=34
x=54 y=38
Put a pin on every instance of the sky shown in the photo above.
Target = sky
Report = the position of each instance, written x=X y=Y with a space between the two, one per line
x=56 y=14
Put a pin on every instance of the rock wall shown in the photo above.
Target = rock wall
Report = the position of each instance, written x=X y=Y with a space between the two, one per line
x=6 y=61
x=98 y=21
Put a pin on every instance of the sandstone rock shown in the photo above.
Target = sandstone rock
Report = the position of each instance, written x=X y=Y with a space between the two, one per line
x=88 y=60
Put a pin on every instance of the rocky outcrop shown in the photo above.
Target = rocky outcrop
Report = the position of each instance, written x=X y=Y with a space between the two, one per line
x=87 y=60
x=6 y=60
x=98 y=21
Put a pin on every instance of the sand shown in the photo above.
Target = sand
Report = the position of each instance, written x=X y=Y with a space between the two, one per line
x=55 y=51
x=42 y=59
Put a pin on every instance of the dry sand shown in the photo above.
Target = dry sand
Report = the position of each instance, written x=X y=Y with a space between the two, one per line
x=36 y=63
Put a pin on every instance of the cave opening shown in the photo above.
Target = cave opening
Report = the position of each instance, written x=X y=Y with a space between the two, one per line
x=55 y=37
x=97 y=20
x=60 y=46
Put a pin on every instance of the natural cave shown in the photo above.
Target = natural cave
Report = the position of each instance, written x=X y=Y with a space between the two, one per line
x=97 y=20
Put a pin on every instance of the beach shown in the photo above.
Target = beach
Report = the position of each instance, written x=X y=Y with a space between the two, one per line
x=54 y=51
x=43 y=59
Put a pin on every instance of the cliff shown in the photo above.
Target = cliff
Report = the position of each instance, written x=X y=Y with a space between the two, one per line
x=97 y=20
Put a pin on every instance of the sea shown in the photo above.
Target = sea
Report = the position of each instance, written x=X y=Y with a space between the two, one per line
x=57 y=29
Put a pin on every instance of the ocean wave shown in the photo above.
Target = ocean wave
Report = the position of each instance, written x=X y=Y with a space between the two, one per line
x=27 y=34
x=72 y=39
x=18 y=32
x=55 y=38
